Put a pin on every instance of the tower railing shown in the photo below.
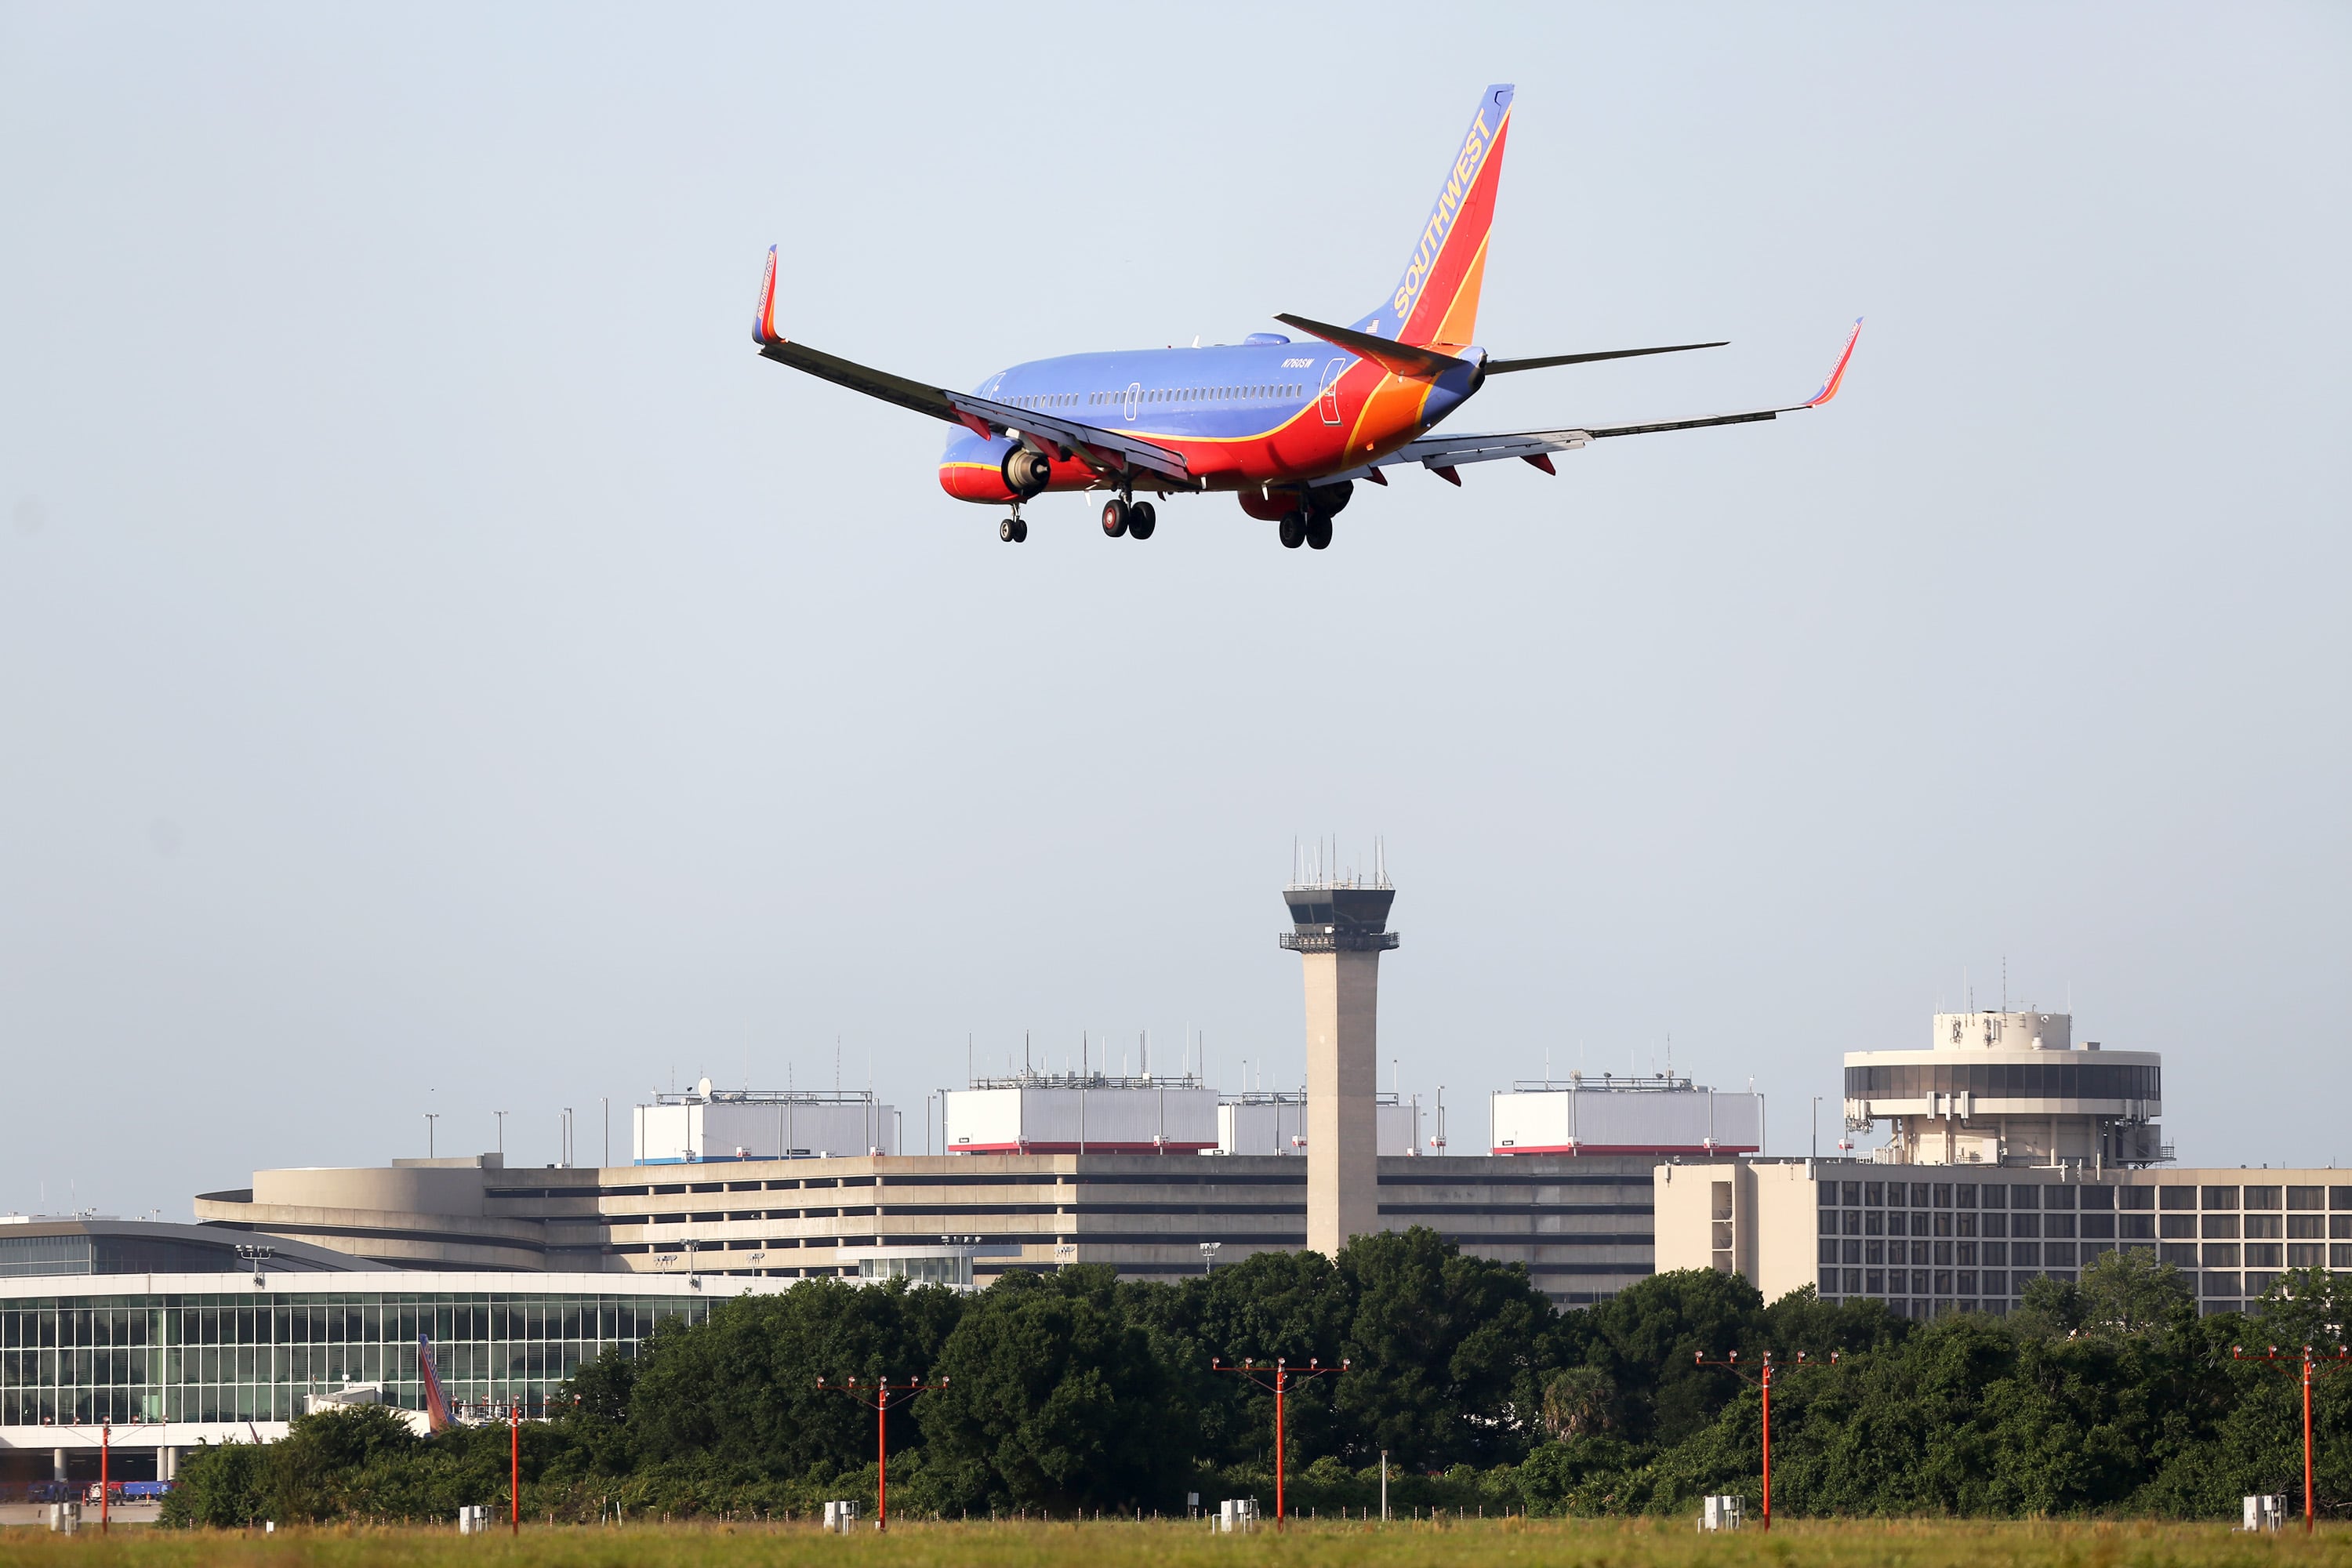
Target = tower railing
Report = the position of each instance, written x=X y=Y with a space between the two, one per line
x=1336 y=941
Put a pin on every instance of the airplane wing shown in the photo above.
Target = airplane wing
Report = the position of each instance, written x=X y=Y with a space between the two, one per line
x=1105 y=451
x=1443 y=455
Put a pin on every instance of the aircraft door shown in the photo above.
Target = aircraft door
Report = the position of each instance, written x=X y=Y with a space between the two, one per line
x=1331 y=374
x=1134 y=397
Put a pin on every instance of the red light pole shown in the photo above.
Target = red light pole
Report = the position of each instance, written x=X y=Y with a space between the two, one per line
x=1282 y=1375
x=1699 y=1358
x=514 y=1467
x=880 y=1399
x=2308 y=1367
x=106 y=1445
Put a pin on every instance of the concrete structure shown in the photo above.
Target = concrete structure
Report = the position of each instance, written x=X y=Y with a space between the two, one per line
x=2007 y=1088
x=1339 y=929
x=1971 y=1239
x=1582 y=1226
x=1663 y=1115
x=705 y=1124
x=1082 y=1113
x=1274 y=1121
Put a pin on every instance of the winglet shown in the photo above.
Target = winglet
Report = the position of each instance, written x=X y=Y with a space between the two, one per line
x=1830 y=387
x=764 y=323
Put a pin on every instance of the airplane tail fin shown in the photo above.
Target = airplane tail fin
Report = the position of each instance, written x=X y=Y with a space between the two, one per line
x=1437 y=300
x=437 y=1415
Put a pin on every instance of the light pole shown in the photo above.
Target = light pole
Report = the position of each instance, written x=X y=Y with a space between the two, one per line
x=502 y=1133
x=1282 y=1375
x=1209 y=1257
x=1817 y=1127
x=878 y=1399
x=430 y=1118
x=2308 y=1366
x=514 y=1465
x=1766 y=1380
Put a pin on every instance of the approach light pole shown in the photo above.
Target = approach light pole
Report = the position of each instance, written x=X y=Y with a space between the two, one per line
x=2308 y=1366
x=514 y=1465
x=1283 y=1373
x=1732 y=1360
x=879 y=1398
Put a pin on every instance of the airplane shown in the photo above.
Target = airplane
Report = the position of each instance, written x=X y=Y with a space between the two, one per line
x=1287 y=427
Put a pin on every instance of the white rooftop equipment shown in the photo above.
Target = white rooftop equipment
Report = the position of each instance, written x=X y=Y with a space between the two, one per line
x=1665 y=1114
x=705 y=1124
x=1274 y=1121
x=1082 y=1113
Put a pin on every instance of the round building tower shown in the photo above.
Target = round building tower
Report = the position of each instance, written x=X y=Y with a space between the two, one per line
x=2009 y=1088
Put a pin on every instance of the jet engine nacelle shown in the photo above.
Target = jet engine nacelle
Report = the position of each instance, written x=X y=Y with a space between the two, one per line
x=1026 y=473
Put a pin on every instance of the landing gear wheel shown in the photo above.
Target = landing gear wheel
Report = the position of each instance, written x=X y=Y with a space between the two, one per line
x=1020 y=527
x=1005 y=531
x=1293 y=532
x=1114 y=517
x=1318 y=532
x=1141 y=520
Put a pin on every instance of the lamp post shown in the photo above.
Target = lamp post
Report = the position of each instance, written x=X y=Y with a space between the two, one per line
x=105 y=1489
x=878 y=1399
x=1765 y=1381
x=2308 y=1366
x=1283 y=1373
x=514 y=1465
x=1209 y=1257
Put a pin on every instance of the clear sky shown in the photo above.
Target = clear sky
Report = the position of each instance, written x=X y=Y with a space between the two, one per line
x=442 y=669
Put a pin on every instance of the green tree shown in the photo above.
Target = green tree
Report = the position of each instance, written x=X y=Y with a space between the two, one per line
x=1058 y=1398
x=1449 y=1353
x=220 y=1487
x=738 y=1390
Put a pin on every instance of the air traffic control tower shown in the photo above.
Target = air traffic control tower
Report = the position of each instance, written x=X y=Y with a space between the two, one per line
x=1339 y=929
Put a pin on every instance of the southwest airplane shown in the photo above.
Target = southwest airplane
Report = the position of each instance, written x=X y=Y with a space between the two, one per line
x=1287 y=427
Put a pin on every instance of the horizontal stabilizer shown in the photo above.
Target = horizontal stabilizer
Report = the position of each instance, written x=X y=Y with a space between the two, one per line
x=1401 y=359
x=1505 y=366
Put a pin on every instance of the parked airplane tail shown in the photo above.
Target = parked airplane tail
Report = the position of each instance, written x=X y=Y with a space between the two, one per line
x=1437 y=300
x=437 y=1415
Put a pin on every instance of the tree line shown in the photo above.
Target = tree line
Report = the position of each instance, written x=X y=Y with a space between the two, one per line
x=1072 y=1392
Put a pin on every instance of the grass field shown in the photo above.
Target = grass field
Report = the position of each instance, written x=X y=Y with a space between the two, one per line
x=1474 y=1544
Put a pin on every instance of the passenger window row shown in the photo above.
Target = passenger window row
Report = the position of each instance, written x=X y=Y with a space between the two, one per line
x=1186 y=395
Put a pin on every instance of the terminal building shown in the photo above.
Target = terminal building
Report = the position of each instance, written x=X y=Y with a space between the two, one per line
x=2011 y=1155
x=149 y=1337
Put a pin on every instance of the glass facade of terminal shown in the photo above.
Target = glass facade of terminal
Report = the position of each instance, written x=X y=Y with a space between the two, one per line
x=1937 y=1246
x=249 y=1355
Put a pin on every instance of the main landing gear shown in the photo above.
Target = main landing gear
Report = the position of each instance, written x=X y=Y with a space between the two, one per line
x=1312 y=528
x=1012 y=530
x=1134 y=519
